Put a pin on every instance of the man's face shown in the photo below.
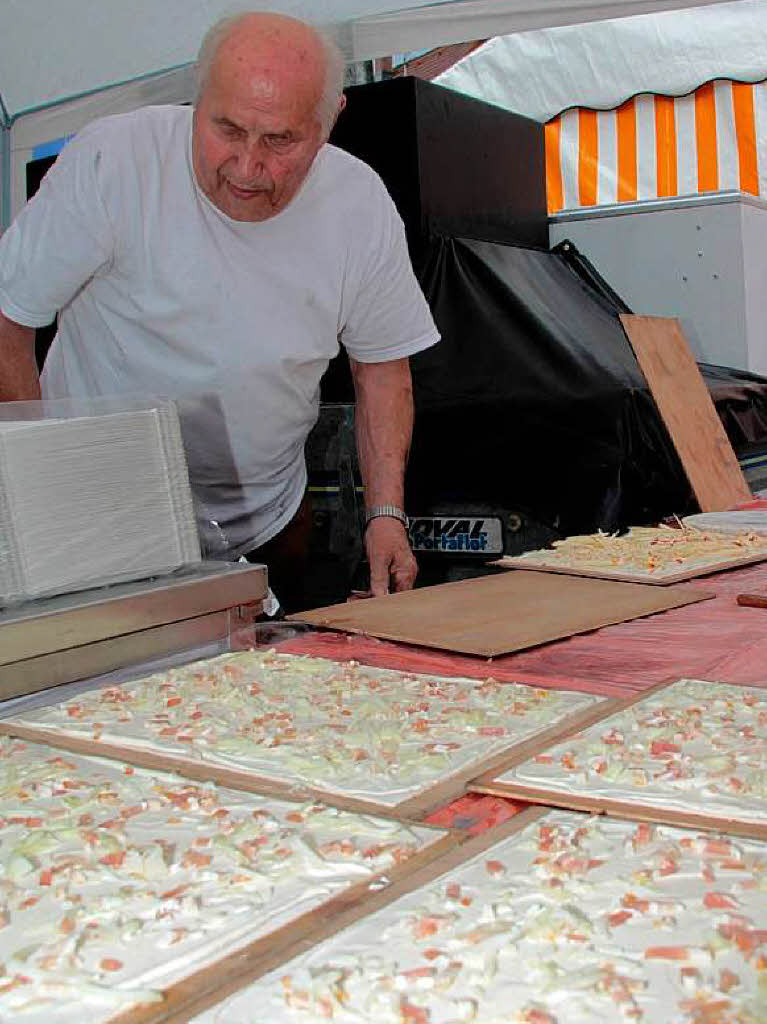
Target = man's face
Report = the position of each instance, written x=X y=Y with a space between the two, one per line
x=256 y=134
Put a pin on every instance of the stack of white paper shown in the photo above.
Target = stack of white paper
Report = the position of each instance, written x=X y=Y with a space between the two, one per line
x=93 y=500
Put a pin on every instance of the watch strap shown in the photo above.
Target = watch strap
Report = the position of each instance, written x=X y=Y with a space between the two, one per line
x=391 y=511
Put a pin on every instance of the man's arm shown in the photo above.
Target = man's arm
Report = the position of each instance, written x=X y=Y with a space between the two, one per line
x=19 y=380
x=384 y=422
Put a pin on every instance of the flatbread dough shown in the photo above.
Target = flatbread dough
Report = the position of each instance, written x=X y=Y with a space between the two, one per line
x=575 y=920
x=654 y=552
x=695 y=746
x=116 y=882
x=342 y=728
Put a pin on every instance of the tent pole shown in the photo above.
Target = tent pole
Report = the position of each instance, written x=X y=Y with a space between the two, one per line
x=5 y=166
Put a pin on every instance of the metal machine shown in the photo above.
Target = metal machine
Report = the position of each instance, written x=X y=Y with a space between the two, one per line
x=79 y=636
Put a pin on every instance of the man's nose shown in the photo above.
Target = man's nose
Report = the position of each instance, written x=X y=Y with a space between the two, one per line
x=250 y=161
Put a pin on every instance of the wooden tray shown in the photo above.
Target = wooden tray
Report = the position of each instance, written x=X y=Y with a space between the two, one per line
x=186 y=1000
x=489 y=783
x=442 y=791
x=626 y=576
x=498 y=614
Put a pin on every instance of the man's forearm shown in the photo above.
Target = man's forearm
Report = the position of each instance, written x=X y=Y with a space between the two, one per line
x=384 y=429
x=384 y=423
x=19 y=379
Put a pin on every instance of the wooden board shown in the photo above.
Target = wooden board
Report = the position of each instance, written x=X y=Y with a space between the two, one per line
x=620 y=809
x=182 y=1002
x=626 y=576
x=753 y=600
x=502 y=613
x=687 y=410
x=414 y=808
x=489 y=783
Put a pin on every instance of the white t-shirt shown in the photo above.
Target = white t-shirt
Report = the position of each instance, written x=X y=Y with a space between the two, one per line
x=160 y=293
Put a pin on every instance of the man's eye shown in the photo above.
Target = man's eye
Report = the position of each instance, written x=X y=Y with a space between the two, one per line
x=229 y=129
x=280 y=141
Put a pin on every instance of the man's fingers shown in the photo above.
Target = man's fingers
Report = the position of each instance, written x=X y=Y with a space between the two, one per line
x=379 y=578
x=392 y=563
x=403 y=575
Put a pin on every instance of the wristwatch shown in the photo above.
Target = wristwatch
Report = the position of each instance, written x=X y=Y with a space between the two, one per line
x=392 y=511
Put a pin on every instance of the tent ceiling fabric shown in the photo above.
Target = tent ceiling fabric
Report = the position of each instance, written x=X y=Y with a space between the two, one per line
x=54 y=51
x=540 y=74
x=463 y=20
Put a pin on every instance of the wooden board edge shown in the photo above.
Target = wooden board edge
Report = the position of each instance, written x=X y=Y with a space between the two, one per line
x=213 y=984
x=683 y=576
x=624 y=810
x=409 y=811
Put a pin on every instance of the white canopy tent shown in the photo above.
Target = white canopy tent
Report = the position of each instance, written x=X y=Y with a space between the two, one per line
x=601 y=64
x=63 y=64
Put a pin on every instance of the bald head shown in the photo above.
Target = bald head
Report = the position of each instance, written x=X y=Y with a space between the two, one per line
x=274 y=45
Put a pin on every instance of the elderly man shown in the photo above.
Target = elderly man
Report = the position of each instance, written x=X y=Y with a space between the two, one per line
x=219 y=256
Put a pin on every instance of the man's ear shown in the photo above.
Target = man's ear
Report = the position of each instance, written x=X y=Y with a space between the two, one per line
x=341 y=106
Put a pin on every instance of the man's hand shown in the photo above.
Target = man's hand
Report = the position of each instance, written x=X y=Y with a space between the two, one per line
x=392 y=564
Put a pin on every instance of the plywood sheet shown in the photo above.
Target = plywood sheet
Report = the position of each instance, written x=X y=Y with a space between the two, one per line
x=502 y=613
x=627 y=576
x=687 y=410
x=687 y=753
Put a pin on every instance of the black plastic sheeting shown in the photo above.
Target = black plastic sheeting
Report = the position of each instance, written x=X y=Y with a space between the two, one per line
x=534 y=399
x=534 y=404
x=740 y=398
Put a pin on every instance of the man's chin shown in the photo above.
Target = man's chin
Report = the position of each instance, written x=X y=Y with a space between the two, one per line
x=257 y=206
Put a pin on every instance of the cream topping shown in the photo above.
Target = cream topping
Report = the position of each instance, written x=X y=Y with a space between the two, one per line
x=345 y=728
x=116 y=882
x=575 y=920
x=694 y=746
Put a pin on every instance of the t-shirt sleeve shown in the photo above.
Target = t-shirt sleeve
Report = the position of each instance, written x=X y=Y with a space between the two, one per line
x=60 y=239
x=389 y=317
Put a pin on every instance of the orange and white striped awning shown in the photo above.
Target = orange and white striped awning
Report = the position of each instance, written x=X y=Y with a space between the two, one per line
x=654 y=146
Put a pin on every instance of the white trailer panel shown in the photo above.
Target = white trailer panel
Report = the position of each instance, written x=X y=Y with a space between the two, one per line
x=702 y=259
